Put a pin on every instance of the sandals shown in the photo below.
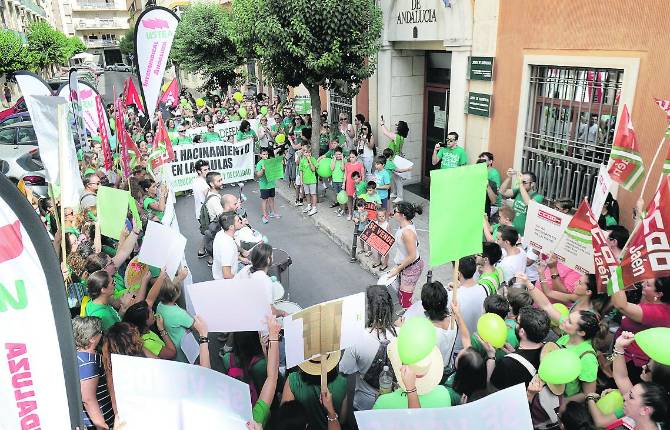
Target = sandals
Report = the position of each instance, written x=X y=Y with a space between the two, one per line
x=202 y=254
x=374 y=266
x=383 y=268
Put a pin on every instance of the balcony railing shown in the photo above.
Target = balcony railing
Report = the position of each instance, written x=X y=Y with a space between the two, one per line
x=96 y=5
x=101 y=24
x=100 y=43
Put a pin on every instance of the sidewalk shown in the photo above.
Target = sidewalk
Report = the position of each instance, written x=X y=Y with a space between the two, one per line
x=340 y=231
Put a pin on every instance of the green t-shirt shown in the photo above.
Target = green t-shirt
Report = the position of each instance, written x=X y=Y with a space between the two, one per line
x=494 y=176
x=153 y=342
x=211 y=136
x=390 y=166
x=261 y=412
x=437 y=398
x=361 y=188
x=452 y=157
x=147 y=201
x=396 y=144
x=183 y=140
x=246 y=135
x=338 y=171
x=609 y=220
x=500 y=352
x=589 y=362
x=491 y=280
x=372 y=198
x=323 y=141
x=308 y=175
x=106 y=313
x=176 y=321
x=520 y=209
x=263 y=183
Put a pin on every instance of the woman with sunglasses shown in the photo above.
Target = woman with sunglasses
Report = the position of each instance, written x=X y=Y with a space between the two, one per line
x=646 y=406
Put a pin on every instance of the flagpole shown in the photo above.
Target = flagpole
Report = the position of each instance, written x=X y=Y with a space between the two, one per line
x=653 y=161
x=61 y=171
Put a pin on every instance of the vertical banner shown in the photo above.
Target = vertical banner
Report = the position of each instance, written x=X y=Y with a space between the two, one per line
x=39 y=381
x=89 y=107
x=31 y=84
x=154 y=33
x=77 y=114
x=106 y=148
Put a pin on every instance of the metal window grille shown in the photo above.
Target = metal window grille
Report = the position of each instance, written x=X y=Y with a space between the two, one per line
x=339 y=104
x=570 y=128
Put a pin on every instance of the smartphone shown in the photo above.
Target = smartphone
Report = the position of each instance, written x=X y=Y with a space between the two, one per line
x=382 y=118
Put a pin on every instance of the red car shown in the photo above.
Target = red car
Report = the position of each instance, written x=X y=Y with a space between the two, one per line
x=19 y=106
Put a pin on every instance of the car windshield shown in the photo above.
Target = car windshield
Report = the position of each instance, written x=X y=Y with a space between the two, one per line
x=26 y=136
x=7 y=136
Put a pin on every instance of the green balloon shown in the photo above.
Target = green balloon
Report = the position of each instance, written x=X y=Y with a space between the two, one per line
x=323 y=169
x=655 y=342
x=560 y=367
x=492 y=329
x=610 y=403
x=342 y=197
x=243 y=112
x=264 y=110
x=416 y=339
x=238 y=96
x=562 y=309
x=281 y=138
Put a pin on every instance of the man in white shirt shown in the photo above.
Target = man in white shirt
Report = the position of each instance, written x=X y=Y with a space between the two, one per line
x=213 y=204
x=226 y=253
x=471 y=296
x=514 y=260
x=200 y=190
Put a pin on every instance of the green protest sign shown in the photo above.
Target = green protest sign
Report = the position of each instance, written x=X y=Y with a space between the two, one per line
x=456 y=216
x=112 y=210
x=274 y=169
x=133 y=210
x=302 y=105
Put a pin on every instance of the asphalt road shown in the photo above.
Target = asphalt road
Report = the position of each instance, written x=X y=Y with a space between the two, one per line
x=320 y=270
x=110 y=79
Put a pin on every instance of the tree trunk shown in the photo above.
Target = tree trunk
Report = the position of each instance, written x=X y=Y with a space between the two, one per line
x=315 y=99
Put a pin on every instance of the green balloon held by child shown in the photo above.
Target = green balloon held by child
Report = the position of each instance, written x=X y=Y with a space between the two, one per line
x=323 y=169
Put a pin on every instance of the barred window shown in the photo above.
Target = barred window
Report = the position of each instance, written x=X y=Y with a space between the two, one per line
x=570 y=128
x=339 y=104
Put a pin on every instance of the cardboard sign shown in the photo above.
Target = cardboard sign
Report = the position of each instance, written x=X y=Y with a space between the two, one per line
x=371 y=208
x=112 y=210
x=162 y=247
x=403 y=163
x=575 y=248
x=378 y=238
x=231 y=305
x=182 y=395
x=323 y=328
x=505 y=409
x=544 y=227
x=274 y=168
x=603 y=186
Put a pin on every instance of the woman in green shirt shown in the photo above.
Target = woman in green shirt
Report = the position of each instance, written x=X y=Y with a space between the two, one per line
x=152 y=203
x=397 y=138
x=101 y=293
x=142 y=316
x=245 y=132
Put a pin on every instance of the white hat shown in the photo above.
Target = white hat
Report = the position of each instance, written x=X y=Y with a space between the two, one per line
x=429 y=370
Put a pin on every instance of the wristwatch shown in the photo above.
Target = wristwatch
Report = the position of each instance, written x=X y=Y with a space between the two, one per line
x=555 y=276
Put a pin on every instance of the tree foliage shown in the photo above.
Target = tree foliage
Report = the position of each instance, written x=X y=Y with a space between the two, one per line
x=328 y=43
x=127 y=43
x=203 y=45
x=13 y=54
x=75 y=46
x=47 y=46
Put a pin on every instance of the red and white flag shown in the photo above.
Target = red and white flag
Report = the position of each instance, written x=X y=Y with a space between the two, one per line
x=162 y=150
x=106 y=148
x=665 y=105
x=171 y=95
x=130 y=95
x=626 y=168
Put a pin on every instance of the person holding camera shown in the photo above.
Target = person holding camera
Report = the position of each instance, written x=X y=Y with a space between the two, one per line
x=449 y=154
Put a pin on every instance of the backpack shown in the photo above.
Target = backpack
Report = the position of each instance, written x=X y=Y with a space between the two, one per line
x=378 y=362
x=244 y=375
x=204 y=215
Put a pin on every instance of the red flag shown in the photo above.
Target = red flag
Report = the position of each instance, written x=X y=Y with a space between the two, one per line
x=647 y=254
x=162 y=150
x=171 y=96
x=626 y=168
x=106 y=149
x=665 y=105
x=131 y=97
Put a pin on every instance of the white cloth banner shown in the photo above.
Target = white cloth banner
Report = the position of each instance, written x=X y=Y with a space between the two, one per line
x=234 y=161
x=505 y=409
x=227 y=130
x=44 y=113
x=544 y=227
x=603 y=187
x=154 y=33
x=181 y=396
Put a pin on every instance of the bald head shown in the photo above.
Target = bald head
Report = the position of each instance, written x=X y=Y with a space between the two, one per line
x=230 y=202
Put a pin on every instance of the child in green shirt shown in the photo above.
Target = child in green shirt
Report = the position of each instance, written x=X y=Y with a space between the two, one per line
x=307 y=168
x=337 y=167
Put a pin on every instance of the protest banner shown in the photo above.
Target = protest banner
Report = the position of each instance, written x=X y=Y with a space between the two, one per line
x=379 y=239
x=184 y=396
x=403 y=163
x=44 y=113
x=87 y=97
x=506 y=409
x=112 y=206
x=371 y=208
x=39 y=379
x=31 y=84
x=227 y=130
x=154 y=33
x=235 y=162
x=302 y=105
x=274 y=168
x=603 y=188
x=574 y=248
x=162 y=247
x=544 y=227
x=456 y=217
x=231 y=305
x=325 y=327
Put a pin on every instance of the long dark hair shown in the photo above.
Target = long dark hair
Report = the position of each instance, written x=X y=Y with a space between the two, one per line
x=246 y=345
x=470 y=374
x=137 y=315
x=656 y=397
x=261 y=257
x=379 y=310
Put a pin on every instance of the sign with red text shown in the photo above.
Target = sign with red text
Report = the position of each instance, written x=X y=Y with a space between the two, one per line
x=544 y=227
x=379 y=239
x=39 y=382
x=154 y=33
x=575 y=249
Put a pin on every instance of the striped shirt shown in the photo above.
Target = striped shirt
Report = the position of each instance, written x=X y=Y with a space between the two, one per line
x=90 y=366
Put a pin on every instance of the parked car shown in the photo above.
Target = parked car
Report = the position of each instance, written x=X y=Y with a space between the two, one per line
x=19 y=106
x=96 y=68
x=17 y=117
x=27 y=166
x=119 y=67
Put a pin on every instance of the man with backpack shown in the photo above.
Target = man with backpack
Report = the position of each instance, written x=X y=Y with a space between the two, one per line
x=89 y=197
x=210 y=210
x=200 y=191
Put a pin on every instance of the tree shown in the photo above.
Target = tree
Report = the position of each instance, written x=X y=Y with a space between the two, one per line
x=74 y=46
x=203 y=45
x=13 y=54
x=328 y=44
x=127 y=43
x=46 y=46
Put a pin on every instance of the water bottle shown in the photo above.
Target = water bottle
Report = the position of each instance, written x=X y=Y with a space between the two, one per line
x=385 y=381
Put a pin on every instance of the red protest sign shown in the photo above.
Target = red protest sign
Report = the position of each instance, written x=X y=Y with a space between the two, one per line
x=378 y=238
x=371 y=207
